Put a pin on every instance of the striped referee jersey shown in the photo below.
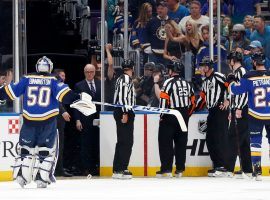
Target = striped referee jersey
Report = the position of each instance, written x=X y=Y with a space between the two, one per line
x=124 y=92
x=176 y=93
x=213 y=91
x=239 y=100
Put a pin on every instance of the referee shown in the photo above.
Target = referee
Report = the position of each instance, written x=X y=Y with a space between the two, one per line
x=214 y=95
x=176 y=93
x=239 y=140
x=124 y=117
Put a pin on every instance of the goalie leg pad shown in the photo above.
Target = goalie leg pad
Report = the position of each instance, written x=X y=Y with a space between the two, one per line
x=44 y=165
x=24 y=164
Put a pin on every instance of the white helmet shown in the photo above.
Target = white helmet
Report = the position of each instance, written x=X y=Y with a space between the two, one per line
x=44 y=64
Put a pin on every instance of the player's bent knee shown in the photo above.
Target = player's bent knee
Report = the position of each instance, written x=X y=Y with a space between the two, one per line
x=24 y=164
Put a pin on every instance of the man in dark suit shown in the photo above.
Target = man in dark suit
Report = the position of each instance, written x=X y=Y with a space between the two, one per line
x=84 y=124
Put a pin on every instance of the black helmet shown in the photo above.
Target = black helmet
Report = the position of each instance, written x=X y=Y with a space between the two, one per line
x=127 y=64
x=206 y=61
x=235 y=55
x=259 y=58
x=176 y=66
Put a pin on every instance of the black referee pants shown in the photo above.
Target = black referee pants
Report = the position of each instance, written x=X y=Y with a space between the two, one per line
x=172 y=141
x=239 y=143
x=216 y=136
x=124 y=143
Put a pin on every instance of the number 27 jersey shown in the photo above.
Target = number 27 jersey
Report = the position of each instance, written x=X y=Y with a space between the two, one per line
x=41 y=94
x=257 y=84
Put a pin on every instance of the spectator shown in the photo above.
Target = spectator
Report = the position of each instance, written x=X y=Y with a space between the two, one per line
x=238 y=38
x=118 y=26
x=240 y=9
x=110 y=9
x=195 y=16
x=173 y=49
x=185 y=3
x=255 y=47
x=155 y=34
x=192 y=39
x=224 y=10
x=249 y=25
x=135 y=5
x=2 y=78
x=176 y=10
x=145 y=85
x=9 y=76
x=159 y=79
x=84 y=124
x=62 y=118
x=262 y=33
x=204 y=50
x=226 y=29
x=137 y=34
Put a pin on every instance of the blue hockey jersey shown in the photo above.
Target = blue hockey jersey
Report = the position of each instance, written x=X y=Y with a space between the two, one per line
x=257 y=85
x=41 y=94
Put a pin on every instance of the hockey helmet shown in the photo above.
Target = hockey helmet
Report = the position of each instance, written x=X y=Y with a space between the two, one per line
x=235 y=55
x=127 y=64
x=259 y=58
x=176 y=66
x=206 y=61
x=44 y=64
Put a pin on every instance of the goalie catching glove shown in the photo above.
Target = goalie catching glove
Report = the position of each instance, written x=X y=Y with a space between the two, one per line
x=85 y=105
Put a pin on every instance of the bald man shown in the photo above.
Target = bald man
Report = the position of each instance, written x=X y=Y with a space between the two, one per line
x=88 y=132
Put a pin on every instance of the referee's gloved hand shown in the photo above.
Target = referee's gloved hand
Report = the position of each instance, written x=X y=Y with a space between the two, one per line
x=231 y=78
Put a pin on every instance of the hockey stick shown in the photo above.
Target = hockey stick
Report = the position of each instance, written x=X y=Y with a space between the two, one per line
x=176 y=113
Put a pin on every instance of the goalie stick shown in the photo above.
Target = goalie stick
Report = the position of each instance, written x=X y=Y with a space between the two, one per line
x=176 y=113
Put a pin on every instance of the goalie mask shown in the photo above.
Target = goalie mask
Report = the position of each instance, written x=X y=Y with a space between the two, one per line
x=44 y=64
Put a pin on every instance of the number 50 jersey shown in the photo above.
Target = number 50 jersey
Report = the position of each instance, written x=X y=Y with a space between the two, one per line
x=257 y=84
x=41 y=94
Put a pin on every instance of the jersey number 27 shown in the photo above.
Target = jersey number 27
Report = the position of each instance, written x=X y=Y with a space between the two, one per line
x=260 y=97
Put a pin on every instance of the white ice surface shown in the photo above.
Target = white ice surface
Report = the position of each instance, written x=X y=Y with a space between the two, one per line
x=142 y=188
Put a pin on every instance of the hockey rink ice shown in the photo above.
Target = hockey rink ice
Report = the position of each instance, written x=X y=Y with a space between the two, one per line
x=186 y=188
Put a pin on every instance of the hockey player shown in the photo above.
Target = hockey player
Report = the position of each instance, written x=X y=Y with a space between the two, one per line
x=41 y=93
x=239 y=141
x=257 y=85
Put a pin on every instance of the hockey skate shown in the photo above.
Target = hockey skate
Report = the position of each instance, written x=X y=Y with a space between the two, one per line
x=164 y=174
x=122 y=175
x=211 y=172
x=257 y=174
x=41 y=184
x=178 y=173
x=238 y=174
x=220 y=172
x=21 y=181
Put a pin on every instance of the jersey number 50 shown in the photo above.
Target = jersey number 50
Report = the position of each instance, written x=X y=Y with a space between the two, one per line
x=38 y=95
x=260 y=97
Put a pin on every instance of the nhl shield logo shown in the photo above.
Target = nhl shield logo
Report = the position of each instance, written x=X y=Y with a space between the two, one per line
x=202 y=126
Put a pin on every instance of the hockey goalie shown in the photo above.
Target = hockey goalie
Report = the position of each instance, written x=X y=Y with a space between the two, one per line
x=38 y=141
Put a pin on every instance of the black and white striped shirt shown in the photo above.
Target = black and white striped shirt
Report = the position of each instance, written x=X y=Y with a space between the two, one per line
x=213 y=91
x=124 y=92
x=239 y=100
x=176 y=93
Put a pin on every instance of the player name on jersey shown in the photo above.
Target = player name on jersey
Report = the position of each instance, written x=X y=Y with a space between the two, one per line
x=260 y=82
x=39 y=81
